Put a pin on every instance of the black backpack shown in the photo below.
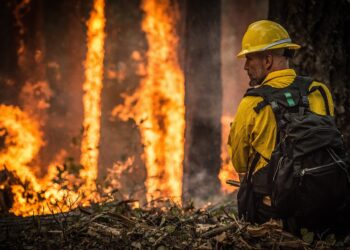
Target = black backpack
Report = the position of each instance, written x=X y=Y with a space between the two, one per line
x=308 y=174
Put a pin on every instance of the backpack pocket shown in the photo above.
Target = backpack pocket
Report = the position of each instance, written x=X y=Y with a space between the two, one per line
x=320 y=190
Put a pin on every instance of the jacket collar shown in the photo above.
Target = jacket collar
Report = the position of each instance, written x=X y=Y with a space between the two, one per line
x=279 y=73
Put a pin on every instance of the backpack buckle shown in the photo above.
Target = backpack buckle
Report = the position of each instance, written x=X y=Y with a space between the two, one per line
x=305 y=101
x=274 y=106
x=304 y=105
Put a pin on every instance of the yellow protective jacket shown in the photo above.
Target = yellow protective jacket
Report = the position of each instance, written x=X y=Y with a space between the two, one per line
x=253 y=132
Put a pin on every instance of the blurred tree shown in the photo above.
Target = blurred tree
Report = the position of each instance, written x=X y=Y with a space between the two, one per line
x=322 y=28
x=203 y=98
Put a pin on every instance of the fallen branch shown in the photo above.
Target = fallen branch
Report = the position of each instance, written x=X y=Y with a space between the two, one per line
x=217 y=231
x=102 y=229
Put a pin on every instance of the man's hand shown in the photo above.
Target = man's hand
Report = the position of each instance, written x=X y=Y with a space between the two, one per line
x=241 y=176
x=233 y=183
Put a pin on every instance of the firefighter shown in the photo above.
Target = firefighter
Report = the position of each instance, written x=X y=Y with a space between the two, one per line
x=267 y=49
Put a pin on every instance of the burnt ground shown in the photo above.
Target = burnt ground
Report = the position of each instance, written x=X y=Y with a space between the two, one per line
x=165 y=225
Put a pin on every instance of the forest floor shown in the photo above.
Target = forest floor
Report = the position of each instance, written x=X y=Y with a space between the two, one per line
x=116 y=225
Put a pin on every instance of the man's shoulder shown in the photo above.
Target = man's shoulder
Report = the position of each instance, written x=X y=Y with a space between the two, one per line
x=248 y=103
x=321 y=86
x=316 y=83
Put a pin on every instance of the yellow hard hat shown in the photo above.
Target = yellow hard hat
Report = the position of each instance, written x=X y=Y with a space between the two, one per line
x=265 y=35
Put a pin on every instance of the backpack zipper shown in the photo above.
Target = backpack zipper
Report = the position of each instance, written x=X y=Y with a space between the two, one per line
x=315 y=169
x=278 y=167
x=306 y=171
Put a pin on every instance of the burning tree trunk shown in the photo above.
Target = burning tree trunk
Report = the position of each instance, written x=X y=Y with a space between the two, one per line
x=65 y=74
x=157 y=105
x=42 y=69
x=322 y=28
x=125 y=47
x=203 y=98
x=8 y=50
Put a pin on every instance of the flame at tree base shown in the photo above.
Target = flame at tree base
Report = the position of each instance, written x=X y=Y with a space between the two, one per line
x=160 y=109
x=66 y=185
x=21 y=142
x=92 y=97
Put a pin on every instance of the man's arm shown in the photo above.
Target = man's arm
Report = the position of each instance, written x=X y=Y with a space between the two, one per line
x=317 y=103
x=238 y=141
x=251 y=133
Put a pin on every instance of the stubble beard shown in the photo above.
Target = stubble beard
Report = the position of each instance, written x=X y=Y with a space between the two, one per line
x=255 y=81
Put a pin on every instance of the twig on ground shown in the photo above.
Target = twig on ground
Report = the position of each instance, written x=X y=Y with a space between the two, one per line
x=216 y=231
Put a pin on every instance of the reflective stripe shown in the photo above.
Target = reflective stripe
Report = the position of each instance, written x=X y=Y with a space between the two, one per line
x=287 y=40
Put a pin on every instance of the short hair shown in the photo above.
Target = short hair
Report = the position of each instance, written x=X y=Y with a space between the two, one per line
x=288 y=53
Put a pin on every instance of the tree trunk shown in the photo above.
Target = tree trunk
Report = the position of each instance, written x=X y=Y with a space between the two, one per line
x=121 y=140
x=8 y=50
x=322 y=29
x=203 y=98
x=65 y=43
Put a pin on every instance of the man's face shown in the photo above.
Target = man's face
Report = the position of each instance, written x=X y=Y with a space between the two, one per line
x=256 y=68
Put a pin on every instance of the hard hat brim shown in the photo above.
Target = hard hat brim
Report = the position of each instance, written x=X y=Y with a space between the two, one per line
x=293 y=46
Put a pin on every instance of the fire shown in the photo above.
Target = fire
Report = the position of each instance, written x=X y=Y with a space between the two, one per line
x=158 y=105
x=227 y=171
x=22 y=142
x=159 y=112
x=112 y=180
x=92 y=95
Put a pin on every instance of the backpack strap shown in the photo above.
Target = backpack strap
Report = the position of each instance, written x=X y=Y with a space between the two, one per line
x=321 y=89
x=264 y=92
x=253 y=166
x=303 y=83
x=268 y=93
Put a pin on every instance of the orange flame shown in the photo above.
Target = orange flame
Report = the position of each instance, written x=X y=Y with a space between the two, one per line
x=114 y=174
x=92 y=95
x=227 y=171
x=159 y=113
x=21 y=140
x=159 y=109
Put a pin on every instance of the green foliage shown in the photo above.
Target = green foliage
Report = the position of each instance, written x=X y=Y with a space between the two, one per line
x=307 y=236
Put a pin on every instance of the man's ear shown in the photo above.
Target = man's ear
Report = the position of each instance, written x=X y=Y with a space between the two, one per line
x=268 y=61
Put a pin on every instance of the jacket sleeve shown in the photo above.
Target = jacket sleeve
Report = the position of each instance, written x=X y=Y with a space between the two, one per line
x=316 y=101
x=251 y=133
x=239 y=137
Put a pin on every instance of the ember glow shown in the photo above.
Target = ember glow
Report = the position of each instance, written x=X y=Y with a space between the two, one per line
x=92 y=95
x=21 y=8
x=159 y=109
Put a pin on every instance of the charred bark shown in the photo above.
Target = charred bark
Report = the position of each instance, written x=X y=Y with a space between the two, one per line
x=121 y=140
x=8 y=50
x=322 y=28
x=65 y=51
x=203 y=98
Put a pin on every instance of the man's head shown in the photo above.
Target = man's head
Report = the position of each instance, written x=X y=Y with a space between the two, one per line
x=259 y=64
x=266 y=45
